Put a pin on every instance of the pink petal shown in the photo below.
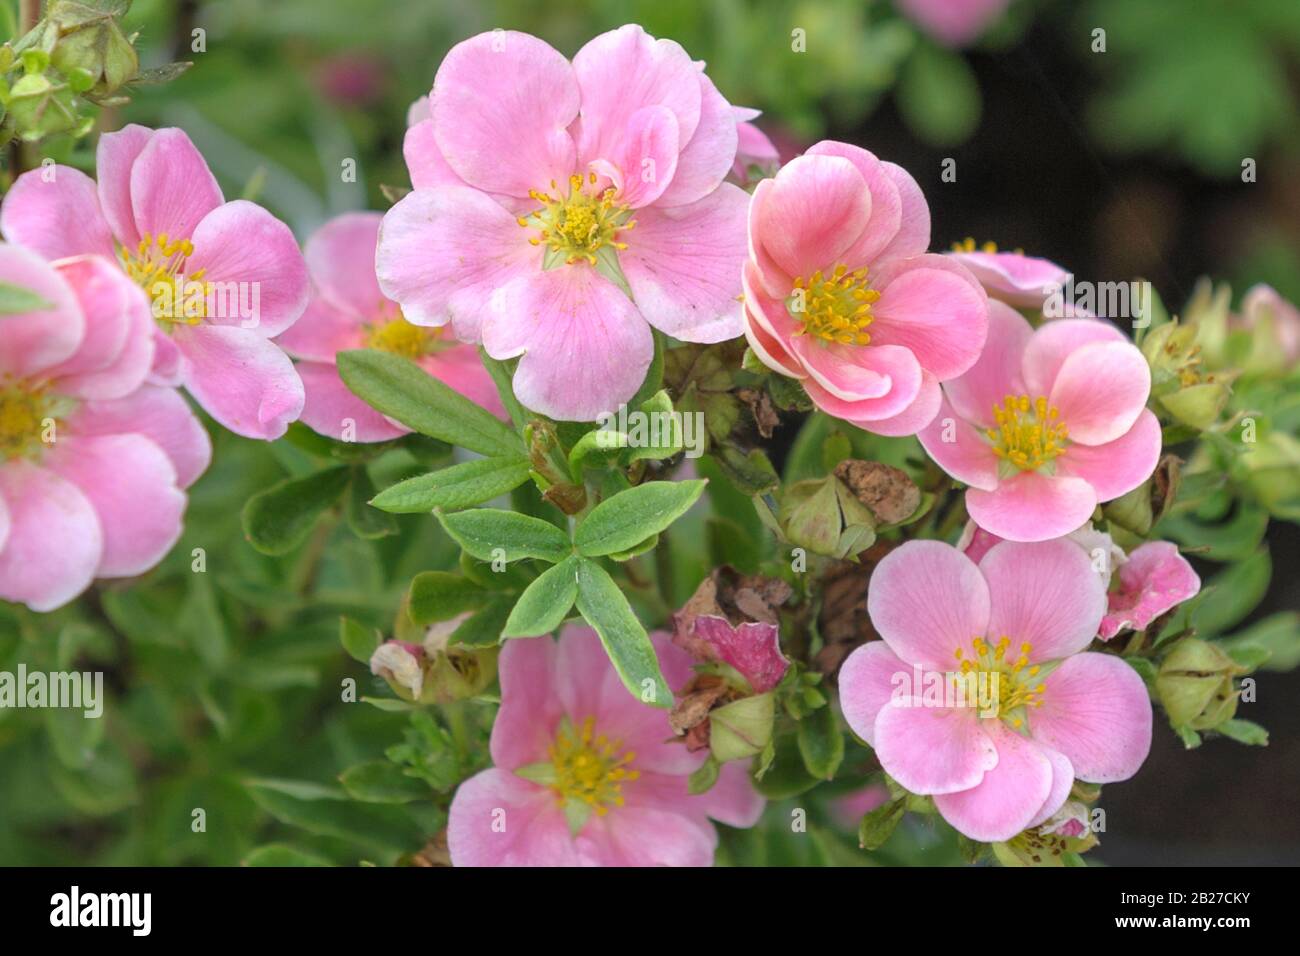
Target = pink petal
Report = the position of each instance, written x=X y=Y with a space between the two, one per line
x=244 y=250
x=623 y=71
x=54 y=540
x=1045 y=594
x=968 y=457
x=424 y=160
x=1154 y=579
x=114 y=157
x=927 y=599
x=54 y=210
x=131 y=484
x=116 y=353
x=585 y=346
x=953 y=23
x=4 y=524
x=31 y=342
x=857 y=371
x=768 y=349
x=914 y=417
x=1116 y=467
x=886 y=203
x=643 y=160
x=530 y=713
x=934 y=750
x=461 y=367
x=811 y=215
x=331 y=409
x=866 y=684
x=913 y=236
x=1096 y=712
x=732 y=799
x=168 y=362
x=172 y=189
x=939 y=316
x=753 y=649
x=1010 y=795
x=996 y=373
x=322 y=332
x=708 y=156
x=443 y=251
x=1100 y=390
x=1013 y=277
x=1062 y=783
x=241 y=379
x=1032 y=507
x=501 y=104
x=340 y=259
x=498 y=819
x=1054 y=342
x=642 y=836
x=161 y=415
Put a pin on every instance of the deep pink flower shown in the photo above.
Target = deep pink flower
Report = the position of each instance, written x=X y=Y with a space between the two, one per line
x=1015 y=624
x=953 y=23
x=753 y=147
x=1013 y=277
x=752 y=648
x=585 y=774
x=92 y=460
x=1152 y=580
x=349 y=312
x=538 y=182
x=841 y=294
x=225 y=277
x=1045 y=425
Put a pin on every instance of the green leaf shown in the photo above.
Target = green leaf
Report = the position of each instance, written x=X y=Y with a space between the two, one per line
x=382 y=781
x=547 y=601
x=1278 y=635
x=359 y=641
x=879 y=825
x=490 y=534
x=703 y=779
x=624 y=521
x=402 y=390
x=279 y=519
x=605 y=608
x=938 y=95
x=14 y=299
x=1244 y=732
x=469 y=483
x=282 y=855
x=483 y=628
x=821 y=742
x=441 y=595
x=201 y=620
x=1235 y=592
x=326 y=811
x=364 y=520
x=503 y=377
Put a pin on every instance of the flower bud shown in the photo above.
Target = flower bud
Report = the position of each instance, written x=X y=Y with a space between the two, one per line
x=401 y=665
x=81 y=38
x=1195 y=685
x=742 y=728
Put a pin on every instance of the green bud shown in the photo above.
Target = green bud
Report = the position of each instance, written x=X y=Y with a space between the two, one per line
x=742 y=728
x=90 y=40
x=1273 y=472
x=1195 y=684
x=39 y=108
x=1197 y=405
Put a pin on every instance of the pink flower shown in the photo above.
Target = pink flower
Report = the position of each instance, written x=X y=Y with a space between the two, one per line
x=224 y=277
x=1045 y=425
x=849 y=809
x=840 y=293
x=1014 y=626
x=349 y=312
x=953 y=23
x=752 y=648
x=753 y=146
x=1263 y=305
x=560 y=207
x=1153 y=579
x=92 y=460
x=585 y=775
x=1013 y=277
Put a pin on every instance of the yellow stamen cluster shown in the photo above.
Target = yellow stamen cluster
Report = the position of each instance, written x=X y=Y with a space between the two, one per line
x=970 y=245
x=836 y=308
x=157 y=265
x=577 y=225
x=24 y=411
x=1016 y=683
x=589 y=768
x=400 y=337
x=1029 y=434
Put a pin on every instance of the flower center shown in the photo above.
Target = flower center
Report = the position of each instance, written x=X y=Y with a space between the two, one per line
x=157 y=265
x=589 y=768
x=835 y=308
x=576 y=226
x=1003 y=686
x=26 y=419
x=400 y=337
x=1029 y=434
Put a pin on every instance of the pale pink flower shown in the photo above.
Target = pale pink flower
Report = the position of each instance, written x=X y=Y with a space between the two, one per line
x=349 y=312
x=585 y=774
x=539 y=182
x=841 y=294
x=1013 y=277
x=1152 y=580
x=1263 y=304
x=92 y=459
x=1045 y=425
x=1017 y=624
x=753 y=148
x=953 y=23
x=225 y=277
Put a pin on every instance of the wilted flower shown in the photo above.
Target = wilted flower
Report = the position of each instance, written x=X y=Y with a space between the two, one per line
x=1015 y=626
x=224 y=277
x=840 y=293
x=92 y=460
x=1045 y=425
x=560 y=209
x=349 y=312
x=1153 y=579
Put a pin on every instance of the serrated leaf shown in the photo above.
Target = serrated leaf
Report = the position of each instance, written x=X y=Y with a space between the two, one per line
x=469 y=483
x=490 y=534
x=626 y=520
x=547 y=601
